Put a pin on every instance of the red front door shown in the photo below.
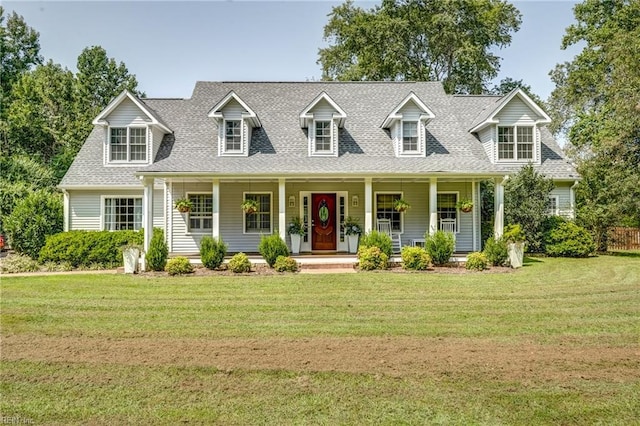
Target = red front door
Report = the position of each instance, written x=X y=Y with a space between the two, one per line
x=324 y=229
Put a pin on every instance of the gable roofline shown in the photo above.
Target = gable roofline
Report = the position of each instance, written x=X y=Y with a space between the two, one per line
x=426 y=115
x=489 y=117
x=250 y=115
x=305 y=115
x=101 y=120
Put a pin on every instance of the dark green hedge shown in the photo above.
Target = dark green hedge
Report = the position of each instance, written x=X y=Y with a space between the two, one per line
x=83 y=248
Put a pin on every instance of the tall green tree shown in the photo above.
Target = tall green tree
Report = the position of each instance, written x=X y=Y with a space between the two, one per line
x=596 y=102
x=423 y=40
x=506 y=85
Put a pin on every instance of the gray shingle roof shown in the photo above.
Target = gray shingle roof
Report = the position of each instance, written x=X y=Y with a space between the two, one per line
x=280 y=146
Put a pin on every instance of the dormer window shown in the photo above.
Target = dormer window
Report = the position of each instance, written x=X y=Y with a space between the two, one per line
x=322 y=136
x=409 y=136
x=233 y=135
x=322 y=118
x=128 y=144
x=515 y=143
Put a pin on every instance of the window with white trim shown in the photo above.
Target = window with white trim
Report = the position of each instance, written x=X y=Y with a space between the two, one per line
x=233 y=135
x=258 y=222
x=447 y=211
x=515 y=143
x=128 y=144
x=122 y=213
x=322 y=136
x=409 y=136
x=201 y=214
x=553 y=205
x=385 y=209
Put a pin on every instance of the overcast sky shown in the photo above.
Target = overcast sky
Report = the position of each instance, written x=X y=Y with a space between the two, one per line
x=171 y=45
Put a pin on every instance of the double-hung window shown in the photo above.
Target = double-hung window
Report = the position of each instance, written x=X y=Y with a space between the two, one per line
x=323 y=136
x=447 y=211
x=259 y=221
x=233 y=135
x=553 y=208
x=385 y=209
x=409 y=136
x=128 y=144
x=515 y=143
x=122 y=213
x=201 y=214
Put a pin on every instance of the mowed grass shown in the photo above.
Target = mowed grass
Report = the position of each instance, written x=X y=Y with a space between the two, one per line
x=587 y=303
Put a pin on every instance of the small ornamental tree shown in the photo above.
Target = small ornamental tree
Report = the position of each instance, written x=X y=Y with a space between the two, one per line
x=158 y=252
x=212 y=252
x=525 y=202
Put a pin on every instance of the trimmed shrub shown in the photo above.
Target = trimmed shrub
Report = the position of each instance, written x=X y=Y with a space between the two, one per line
x=415 y=258
x=158 y=253
x=569 y=240
x=286 y=264
x=440 y=246
x=16 y=263
x=239 y=263
x=32 y=220
x=179 y=266
x=83 y=248
x=377 y=239
x=271 y=247
x=371 y=258
x=212 y=252
x=476 y=261
x=496 y=252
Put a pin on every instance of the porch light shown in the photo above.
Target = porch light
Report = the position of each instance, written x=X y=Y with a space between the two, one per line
x=292 y=200
x=355 y=201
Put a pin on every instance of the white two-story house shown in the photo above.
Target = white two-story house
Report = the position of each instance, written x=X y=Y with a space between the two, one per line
x=351 y=147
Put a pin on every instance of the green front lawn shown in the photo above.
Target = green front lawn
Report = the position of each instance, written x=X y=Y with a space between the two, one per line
x=554 y=342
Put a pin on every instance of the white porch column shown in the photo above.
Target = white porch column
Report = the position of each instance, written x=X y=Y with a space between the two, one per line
x=66 y=211
x=474 y=216
x=368 y=205
x=572 y=199
x=282 y=220
x=215 y=208
x=147 y=215
x=433 y=205
x=498 y=206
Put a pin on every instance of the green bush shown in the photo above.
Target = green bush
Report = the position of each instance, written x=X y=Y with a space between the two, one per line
x=239 y=263
x=440 y=246
x=32 y=220
x=178 y=266
x=83 y=248
x=158 y=252
x=415 y=258
x=271 y=247
x=476 y=261
x=569 y=240
x=286 y=264
x=377 y=239
x=496 y=252
x=212 y=252
x=371 y=258
x=16 y=263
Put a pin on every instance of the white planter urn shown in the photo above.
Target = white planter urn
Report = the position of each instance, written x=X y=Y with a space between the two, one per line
x=130 y=257
x=295 y=243
x=353 y=243
x=516 y=254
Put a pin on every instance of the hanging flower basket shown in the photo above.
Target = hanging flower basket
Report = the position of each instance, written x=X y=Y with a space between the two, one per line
x=184 y=205
x=401 y=205
x=465 y=205
x=249 y=206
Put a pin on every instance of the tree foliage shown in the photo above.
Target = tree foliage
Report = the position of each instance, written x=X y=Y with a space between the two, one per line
x=422 y=40
x=507 y=84
x=596 y=103
x=525 y=203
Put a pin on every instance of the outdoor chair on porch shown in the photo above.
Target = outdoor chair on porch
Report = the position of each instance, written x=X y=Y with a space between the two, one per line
x=448 y=225
x=384 y=227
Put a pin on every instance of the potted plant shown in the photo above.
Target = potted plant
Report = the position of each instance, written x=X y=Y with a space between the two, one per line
x=249 y=206
x=131 y=256
x=184 y=205
x=465 y=205
x=296 y=230
x=352 y=230
x=401 y=205
x=515 y=238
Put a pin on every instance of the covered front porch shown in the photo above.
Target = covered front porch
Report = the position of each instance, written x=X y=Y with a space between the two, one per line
x=322 y=204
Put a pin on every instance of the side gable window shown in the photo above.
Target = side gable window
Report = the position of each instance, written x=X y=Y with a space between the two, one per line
x=233 y=135
x=128 y=144
x=553 y=204
x=322 y=136
x=515 y=143
x=409 y=136
x=122 y=213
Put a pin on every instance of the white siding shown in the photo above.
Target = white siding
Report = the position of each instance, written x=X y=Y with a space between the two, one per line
x=182 y=240
x=86 y=207
x=486 y=136
x=156 y=140
x=516 y=112
x=563 y=191
x=324 y=111
x=410 y=112
x=127 y=113
x=158 y=208
x=233 y=110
